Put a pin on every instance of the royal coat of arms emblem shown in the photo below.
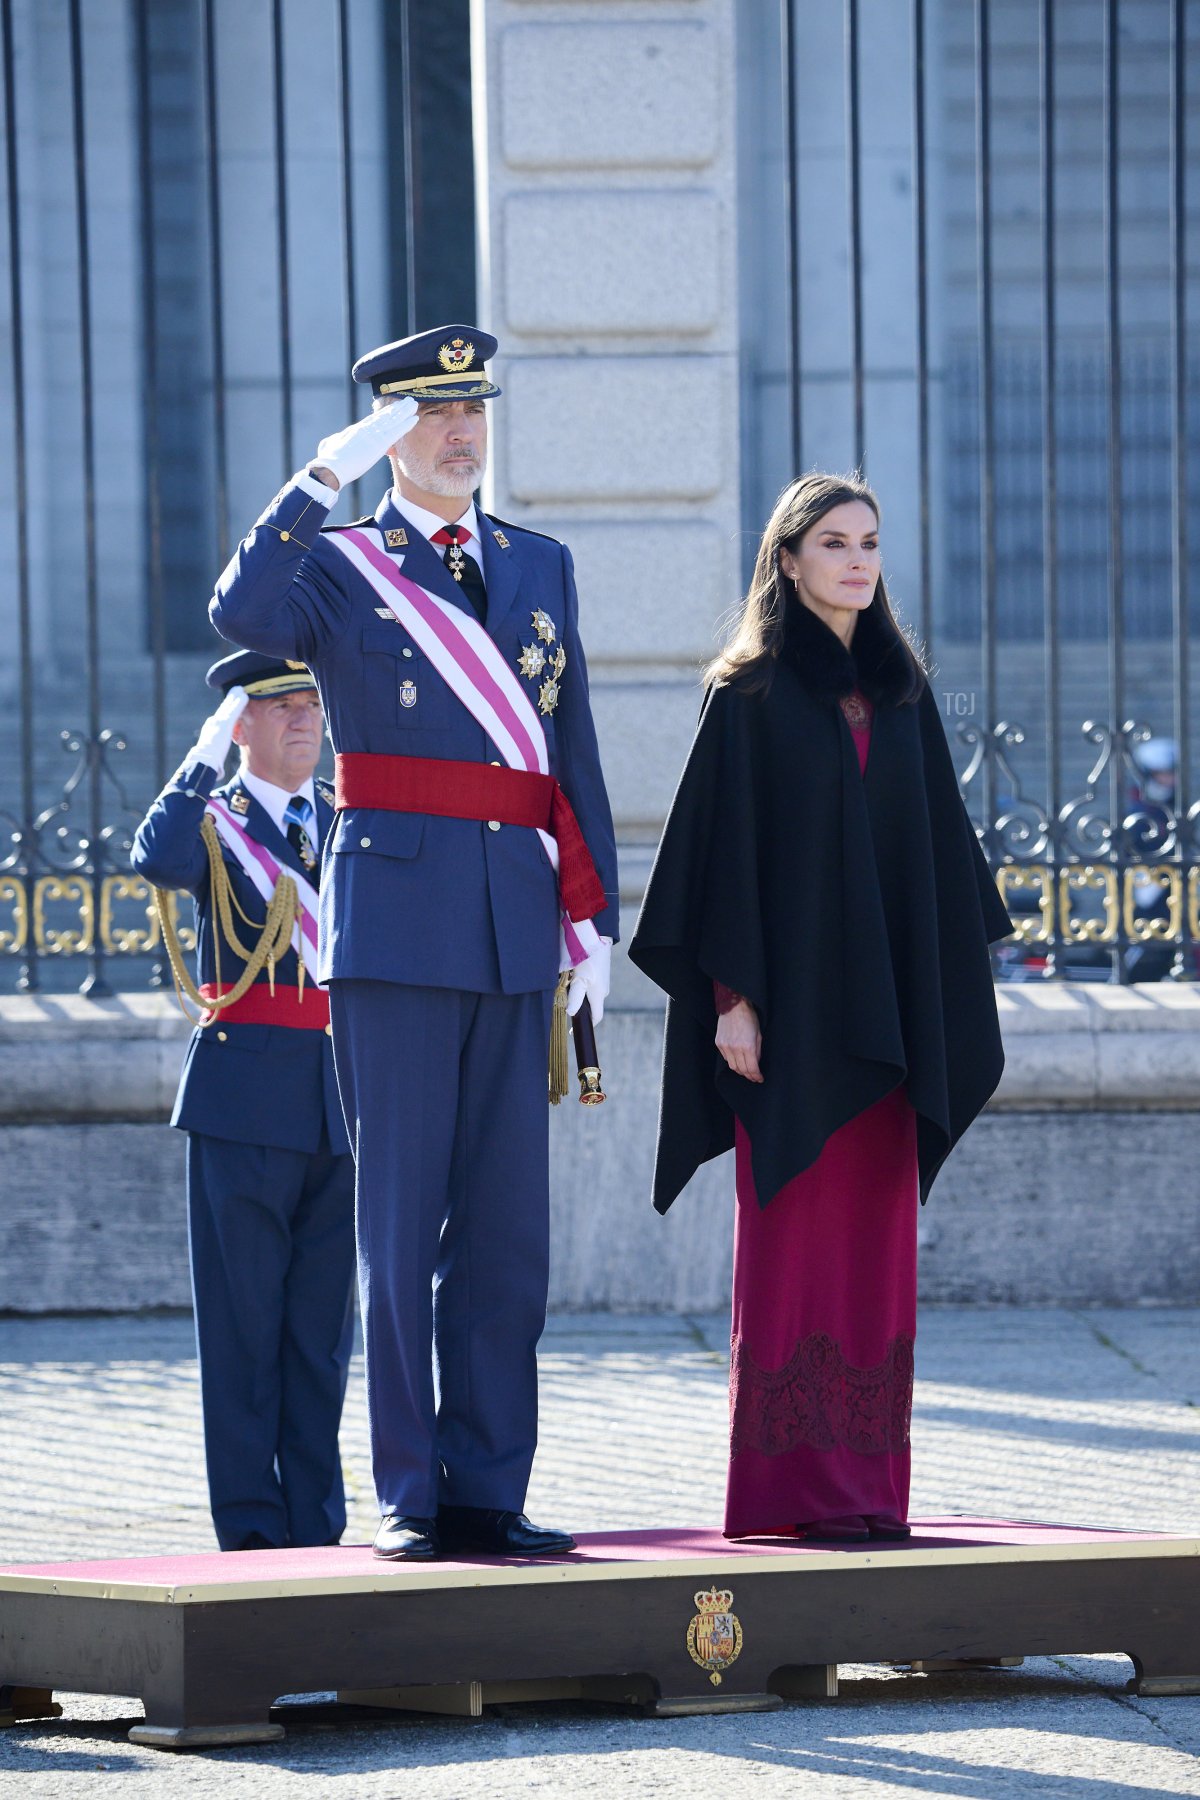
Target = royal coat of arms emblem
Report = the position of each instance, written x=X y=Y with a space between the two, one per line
x=714 y=1638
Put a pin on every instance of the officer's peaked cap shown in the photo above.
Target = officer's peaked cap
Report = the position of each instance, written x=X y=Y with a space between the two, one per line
x=263 y=677
x=448 y=363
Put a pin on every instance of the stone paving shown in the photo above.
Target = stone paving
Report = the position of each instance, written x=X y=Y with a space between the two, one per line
x=1092 y=1416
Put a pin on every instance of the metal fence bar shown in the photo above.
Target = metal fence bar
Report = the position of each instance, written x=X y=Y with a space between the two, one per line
x=349 y=290
x=96 y=985
x=22 y=862
x=150 y=394
x=212 y=172
x=1179 y=400
x=854 y=195
x=921 y=356
x=1049 y=297
x=281 y=237
x=987 y=388
x=1112 y=351
x=410 y=222
x=791 y=190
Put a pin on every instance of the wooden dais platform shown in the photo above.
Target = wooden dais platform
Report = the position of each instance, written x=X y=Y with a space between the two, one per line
x=673 y=1621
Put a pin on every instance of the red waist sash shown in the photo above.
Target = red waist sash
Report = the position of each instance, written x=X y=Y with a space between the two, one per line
x=257 y=1006
x=468 y=790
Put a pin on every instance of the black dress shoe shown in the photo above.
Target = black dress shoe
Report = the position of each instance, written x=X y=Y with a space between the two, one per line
x=886 y=1525
x=848 y=1530
x=499 y=1533
x=403 y=1538
x=256 y=1541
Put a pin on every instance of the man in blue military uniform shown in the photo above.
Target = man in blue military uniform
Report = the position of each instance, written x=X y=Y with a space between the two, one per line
x=270 y=1178
x=446 y=648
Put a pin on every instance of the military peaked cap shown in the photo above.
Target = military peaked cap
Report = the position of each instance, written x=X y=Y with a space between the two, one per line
x=448 y=363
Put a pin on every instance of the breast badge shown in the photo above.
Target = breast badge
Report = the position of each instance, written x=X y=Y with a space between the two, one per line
x=543 y=624
x=408 y=693
x=558 y=663
x=531 y=661
x=548 y=696
x=714 y=1637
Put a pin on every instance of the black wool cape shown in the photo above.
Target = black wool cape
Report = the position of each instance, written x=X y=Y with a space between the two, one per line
x=854 y=913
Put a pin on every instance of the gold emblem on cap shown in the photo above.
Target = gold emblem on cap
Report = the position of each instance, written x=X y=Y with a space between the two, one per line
x=548 y=696
x=456 y=356
x=501 y=539
x=531 y=661
x=288 y=663
x=543 y=624
x=239 y=801
x=396 y=539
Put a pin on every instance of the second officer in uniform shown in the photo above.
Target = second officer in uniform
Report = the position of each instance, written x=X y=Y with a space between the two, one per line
x=270 y=1180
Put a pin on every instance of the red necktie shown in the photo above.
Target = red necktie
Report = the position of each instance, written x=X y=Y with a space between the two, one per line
x=465 y=569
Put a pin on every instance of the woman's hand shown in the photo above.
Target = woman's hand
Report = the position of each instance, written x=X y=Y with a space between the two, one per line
x=740 y=1041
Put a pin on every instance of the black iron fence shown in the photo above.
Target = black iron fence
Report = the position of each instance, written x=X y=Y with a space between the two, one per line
x=1061 y=640
x=1050 y=444
x=174 y=346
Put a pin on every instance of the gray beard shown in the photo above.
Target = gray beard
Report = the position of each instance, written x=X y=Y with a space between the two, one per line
x=449 y=481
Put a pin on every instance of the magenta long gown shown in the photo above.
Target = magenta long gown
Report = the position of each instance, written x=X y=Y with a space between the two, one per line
x=824 y=1319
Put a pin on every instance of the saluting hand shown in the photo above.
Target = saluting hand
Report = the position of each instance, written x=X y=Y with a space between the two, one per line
x=350 y=453
x=740 y=1041
x=216 y=733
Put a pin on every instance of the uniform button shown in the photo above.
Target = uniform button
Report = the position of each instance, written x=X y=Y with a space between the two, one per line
x=189 y=793
x=493 y=824
x=329 y=1031
x=495 y=764
x=286 y=536
x=365 y=843
x=222 y=1037
x=406 y=651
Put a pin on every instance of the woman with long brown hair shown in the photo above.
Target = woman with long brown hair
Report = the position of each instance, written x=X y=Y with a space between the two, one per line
x=819 y=915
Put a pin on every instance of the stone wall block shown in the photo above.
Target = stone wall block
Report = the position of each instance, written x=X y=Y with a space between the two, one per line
x=605 y=261
x=95 y=1221
x=644 y=732
x=649 y=593
x=617 y=428
x=609 y=95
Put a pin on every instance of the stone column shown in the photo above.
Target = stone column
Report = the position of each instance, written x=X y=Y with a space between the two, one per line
x=605 y=147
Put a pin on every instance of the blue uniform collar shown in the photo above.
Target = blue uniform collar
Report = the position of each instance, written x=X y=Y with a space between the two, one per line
x=501 y=571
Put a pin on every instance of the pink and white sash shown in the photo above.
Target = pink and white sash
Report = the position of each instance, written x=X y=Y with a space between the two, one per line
x=264 y=870
x=471 y=665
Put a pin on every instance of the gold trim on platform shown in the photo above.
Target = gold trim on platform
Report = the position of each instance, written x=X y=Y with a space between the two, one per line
x=419 y=1578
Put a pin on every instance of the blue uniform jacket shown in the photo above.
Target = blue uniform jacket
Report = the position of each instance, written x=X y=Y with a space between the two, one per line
x=405 y=897
x=253 y=1084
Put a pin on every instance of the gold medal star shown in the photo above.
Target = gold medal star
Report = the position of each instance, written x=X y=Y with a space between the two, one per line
x=543 y=624
x=532 y=661
x=548 y=696
x=558 y=662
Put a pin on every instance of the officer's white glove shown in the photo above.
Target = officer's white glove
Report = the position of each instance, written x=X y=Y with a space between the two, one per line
x=216 y=733
x=590 y=981
x=350 y=453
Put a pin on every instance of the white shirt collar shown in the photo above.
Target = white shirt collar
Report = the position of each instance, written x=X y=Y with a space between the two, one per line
x=427 y=522
x=274 y=800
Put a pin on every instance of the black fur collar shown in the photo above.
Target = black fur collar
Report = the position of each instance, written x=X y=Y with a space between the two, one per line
x=877 y=664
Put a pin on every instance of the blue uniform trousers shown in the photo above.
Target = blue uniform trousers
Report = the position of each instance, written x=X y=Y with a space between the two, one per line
x=445 y=1098
x=271 y=1234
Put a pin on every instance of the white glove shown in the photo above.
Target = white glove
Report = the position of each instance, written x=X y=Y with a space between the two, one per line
x=216 y=733
x=590 y=981
x=350 y=453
